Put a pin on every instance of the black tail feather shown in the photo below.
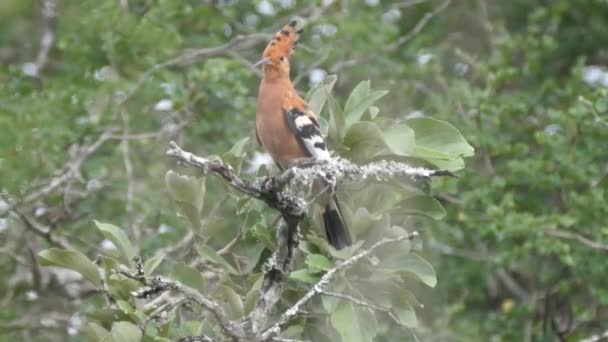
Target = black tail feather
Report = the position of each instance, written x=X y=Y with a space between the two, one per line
x=335 y=227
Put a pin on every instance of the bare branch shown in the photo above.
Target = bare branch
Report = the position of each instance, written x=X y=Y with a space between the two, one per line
x=199 y=338
x=558 y=233
x=129 y=173
x=69 y=171
x=158 y=285
x=194 y=55
x=43 y=231
x=595 y=338
x=267 y=189
x=419 y=26
x=356 y=301
x=48 y=14
x=327 y=278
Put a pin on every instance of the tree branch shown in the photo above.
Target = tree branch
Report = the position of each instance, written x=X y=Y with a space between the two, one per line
x=558 y=233
x=419 y=26
x=158 y=285
x=292 y=209
x=327 y=278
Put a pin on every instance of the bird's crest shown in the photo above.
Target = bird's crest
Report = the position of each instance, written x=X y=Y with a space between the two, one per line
x=283 y=43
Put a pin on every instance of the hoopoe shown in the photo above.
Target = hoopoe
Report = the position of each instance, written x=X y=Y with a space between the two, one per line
x=288 y=130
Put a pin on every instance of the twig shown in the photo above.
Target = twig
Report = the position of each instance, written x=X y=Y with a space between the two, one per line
x=409 y=3
x=70 y=170
x=239 y=235
x=282 y=339
x=192 y=56
x=364 y=304
x=199 y=338
x=159 y=285
x=43 y=231
x=48 y=14
x=558 y=233
x=327 y=278
x=512 y=285
x=595 y=338
x=419 y=26
x=129 y=173
x=356 y=301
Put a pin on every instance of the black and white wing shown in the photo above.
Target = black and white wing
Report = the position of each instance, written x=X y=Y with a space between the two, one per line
x=307 y=131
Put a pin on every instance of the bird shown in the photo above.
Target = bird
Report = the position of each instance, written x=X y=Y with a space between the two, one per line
x=288 y=129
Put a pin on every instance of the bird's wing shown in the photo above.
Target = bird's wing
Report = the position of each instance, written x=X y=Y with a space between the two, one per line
x=303 y=123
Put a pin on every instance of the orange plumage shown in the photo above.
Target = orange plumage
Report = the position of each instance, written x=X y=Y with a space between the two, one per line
x=286 y=127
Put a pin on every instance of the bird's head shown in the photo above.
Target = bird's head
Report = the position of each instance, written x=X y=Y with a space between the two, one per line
x=275 y=59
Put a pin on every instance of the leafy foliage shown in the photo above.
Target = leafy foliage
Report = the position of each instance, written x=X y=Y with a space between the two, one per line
x=520 y=254
x=236 y=274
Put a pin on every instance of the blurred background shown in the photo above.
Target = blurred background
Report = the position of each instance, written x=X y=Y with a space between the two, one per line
x=92 y=91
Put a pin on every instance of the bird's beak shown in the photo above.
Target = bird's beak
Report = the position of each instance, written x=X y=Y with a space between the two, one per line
x=264 y=61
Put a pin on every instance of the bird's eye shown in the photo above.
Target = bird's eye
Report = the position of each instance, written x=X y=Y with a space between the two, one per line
x=282 y=58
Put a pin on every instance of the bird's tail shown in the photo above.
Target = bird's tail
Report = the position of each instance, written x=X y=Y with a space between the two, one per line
x=335 y=227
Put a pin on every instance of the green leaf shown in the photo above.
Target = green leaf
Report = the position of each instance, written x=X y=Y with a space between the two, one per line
x=125 y=306
x=251 y=251
x=120 y=240
x=405 y=314
x=251 y=297
x=209 y=254
x=94 y=332
x=364 y=140
x=360 y=101
x=318 y=263
x=235 y=303
x=440 y=136
x=235 y=156
x=189 y=276
x=419 y=267
x=360 y=92
x=422 y=205
x=400 y=139
x=189 y=193
x=151 y=264
x=185 y=189
x=440 y=143
x=304 y=275
x=354 y=323
x=363 y=221
x=72 y=260
x=125 y=332
x=317 y=96
x=336 y=120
